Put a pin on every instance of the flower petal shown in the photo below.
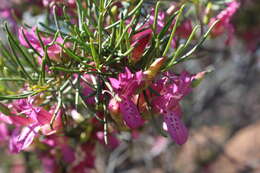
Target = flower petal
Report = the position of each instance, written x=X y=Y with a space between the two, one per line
x=130 y=114
x=176 y=128
x=20 y=140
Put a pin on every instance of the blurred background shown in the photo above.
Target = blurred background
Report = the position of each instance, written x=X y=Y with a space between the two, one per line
x=223 y=114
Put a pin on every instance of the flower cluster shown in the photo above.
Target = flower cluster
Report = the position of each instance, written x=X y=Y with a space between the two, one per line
x=95 y=70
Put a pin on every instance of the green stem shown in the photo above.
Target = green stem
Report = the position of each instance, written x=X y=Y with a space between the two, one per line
x=173 y=31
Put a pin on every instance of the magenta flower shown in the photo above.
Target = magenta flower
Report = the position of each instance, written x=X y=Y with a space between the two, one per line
x=49 y=164
x=6 y=13
x=130 y=114
x=224 y=18
x=4 y=135
x=175 y=127
x=53 y=51
x=180 y=85
x=160 y=20
x=185 y=29
x=127 y=83
x=112 y=141
x=51 y=4
x=88 y=161
x=140 y=40
x=172 y=89
x=182 y=32
x=87 y=90
x=126 y=86
x=29 y=120
x=22 y=138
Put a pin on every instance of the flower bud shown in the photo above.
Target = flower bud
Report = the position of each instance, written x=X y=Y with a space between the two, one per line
x=153 y=70
x=115 y=114
x=140 y=41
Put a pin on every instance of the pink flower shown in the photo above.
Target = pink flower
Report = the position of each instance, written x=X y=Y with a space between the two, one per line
x=112 y=141
x=182 y=32
x=29 y=120
x=49 y=164
x=140 y=40
x=3 y=132
x=185 y=29
x=130 y=113
x=175 y=127
x=53 y=51
x=88 y=162
x=9 y=14
x=224 y=18
x=87 y=90
x=61 y=143
x=21 y=139
x=126 y=86
x=51 y=4
x=172 y=89
x=127 y=83
x=160 y=20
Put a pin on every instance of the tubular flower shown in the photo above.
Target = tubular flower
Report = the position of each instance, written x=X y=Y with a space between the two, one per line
x=125 y=87
x=224 y=18
x=182 y=32
x=140 y=40
x=172 y=89
x=115 y=114
x=127 y=83
x=31 y=36
x=3 y=132
x=29 y=120
x=130 y=114
x=175 y=127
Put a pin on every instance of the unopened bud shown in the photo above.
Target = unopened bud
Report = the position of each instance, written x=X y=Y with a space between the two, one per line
x=153 y=70
x=199 y=77
x=115 y=114
x=140 y=42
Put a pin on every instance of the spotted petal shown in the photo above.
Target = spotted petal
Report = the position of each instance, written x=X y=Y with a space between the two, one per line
x=176 y=128
x=130 y=114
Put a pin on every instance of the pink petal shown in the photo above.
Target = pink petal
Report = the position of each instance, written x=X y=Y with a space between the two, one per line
x=115 y=83
x=139 y=47
x=49 y=164
x=18 y=120
x=5 y=119
x=176 y=128
x=130 y=114
x=68 y=153
x=57 y=125
x=3 y=132
x=20 y=140
x=44 y=117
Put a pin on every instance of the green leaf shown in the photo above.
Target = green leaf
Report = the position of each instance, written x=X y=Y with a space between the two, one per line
x=167 y=25
x=19 y=96
x=173 y=31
